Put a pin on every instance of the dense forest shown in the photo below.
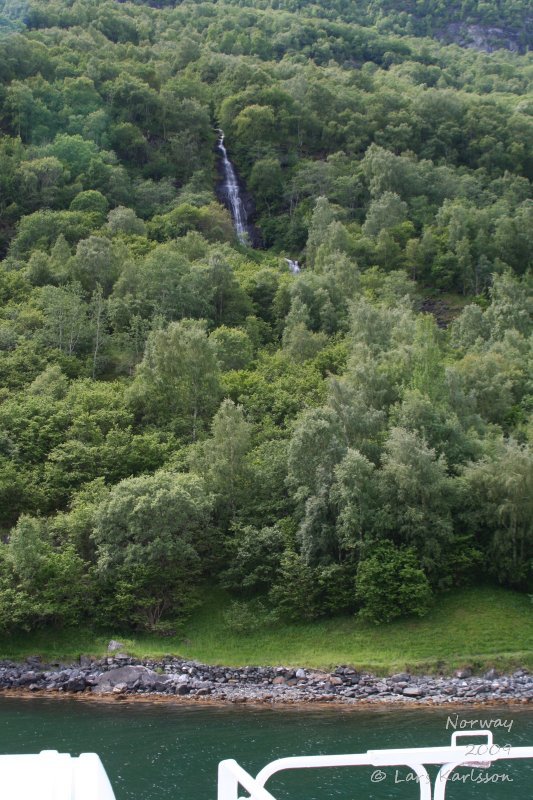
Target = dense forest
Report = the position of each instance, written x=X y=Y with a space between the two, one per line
x=178 y=410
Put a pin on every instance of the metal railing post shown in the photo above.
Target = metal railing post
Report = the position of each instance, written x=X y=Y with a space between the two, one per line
x=228 y=785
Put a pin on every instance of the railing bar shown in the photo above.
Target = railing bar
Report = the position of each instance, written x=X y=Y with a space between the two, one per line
x=231 y=774
x=430 y=755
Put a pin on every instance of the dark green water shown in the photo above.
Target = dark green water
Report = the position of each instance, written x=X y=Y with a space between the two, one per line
x=153 y=752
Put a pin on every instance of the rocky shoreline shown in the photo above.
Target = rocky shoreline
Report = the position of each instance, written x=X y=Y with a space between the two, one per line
x=124 y=677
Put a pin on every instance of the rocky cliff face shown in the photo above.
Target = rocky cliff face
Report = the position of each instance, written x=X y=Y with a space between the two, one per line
x=485 y=37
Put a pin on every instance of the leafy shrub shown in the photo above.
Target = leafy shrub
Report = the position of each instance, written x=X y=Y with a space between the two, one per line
x=390 y=584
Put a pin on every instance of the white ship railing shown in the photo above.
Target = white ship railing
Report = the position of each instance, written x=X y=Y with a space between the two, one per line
x=231 y=775
x=50 y=775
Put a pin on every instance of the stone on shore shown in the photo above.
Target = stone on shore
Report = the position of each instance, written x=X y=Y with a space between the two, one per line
x=412 y=691
x=130 y=676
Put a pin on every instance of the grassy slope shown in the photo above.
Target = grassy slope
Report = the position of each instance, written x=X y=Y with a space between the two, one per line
x=477 y=627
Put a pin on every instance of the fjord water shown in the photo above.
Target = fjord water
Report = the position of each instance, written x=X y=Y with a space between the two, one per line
x=160 y=751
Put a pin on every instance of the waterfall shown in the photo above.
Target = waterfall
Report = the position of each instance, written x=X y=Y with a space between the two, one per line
x=293 y=266
x=232 y=193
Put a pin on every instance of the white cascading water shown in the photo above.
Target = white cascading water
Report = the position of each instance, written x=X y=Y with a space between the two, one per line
x=233 y=193
x=293 y=266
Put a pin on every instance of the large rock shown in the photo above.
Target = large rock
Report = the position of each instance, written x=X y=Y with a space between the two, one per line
x=413 y=691
x=463 y=673
x=400 y=677
x=132 y=676
x=76 y=682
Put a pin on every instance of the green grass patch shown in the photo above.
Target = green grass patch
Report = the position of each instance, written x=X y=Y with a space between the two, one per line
x=481 y=628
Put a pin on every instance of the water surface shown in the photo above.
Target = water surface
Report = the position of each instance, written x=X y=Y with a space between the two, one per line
x=155 y=752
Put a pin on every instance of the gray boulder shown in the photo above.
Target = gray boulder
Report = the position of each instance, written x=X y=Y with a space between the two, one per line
x=463 y=673
x=413 y=691
x=132 y=676
x=400 y=677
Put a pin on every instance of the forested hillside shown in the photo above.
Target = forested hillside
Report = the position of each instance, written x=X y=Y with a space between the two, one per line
x=178 y=410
